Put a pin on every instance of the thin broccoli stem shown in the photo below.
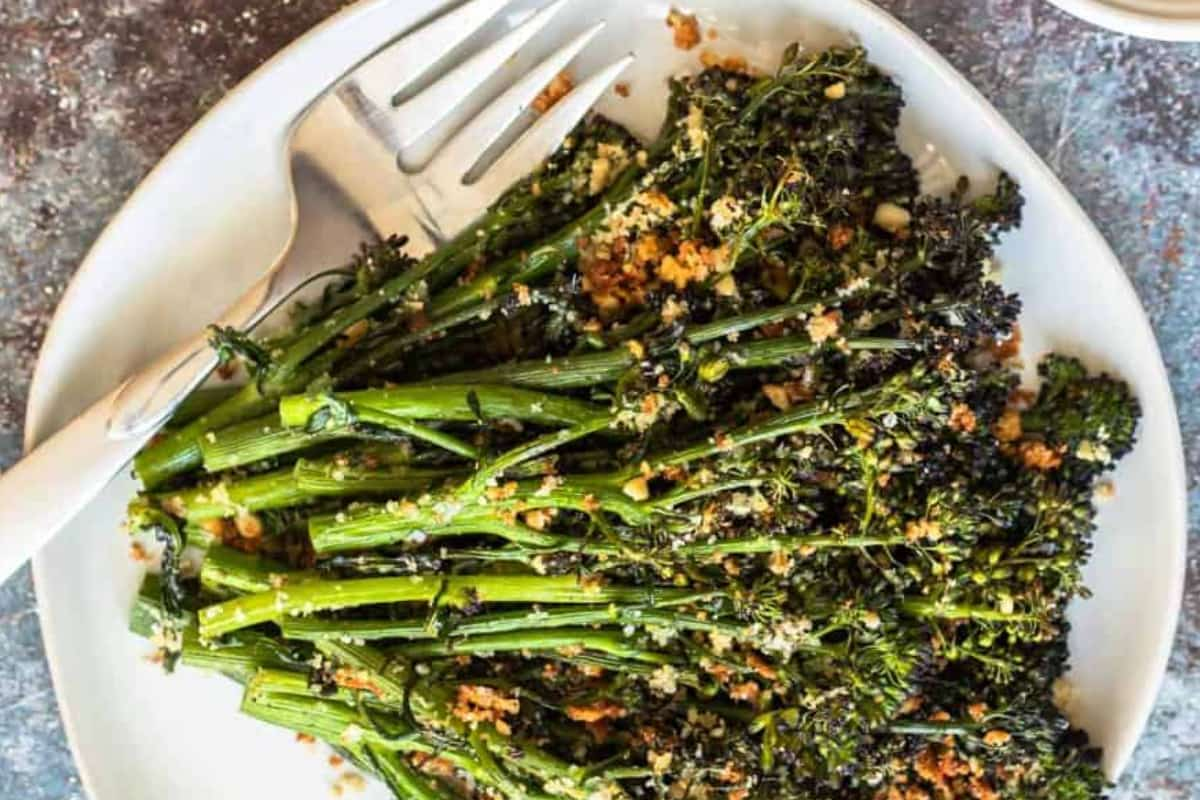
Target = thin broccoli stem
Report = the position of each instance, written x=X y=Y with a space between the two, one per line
x=332 y=533
x=935 y=609
x=613 y=644
x=721 y=328
x=316 y=629
x=328 y=477
x=307 y=597
x=179 y=451
x=530 y=450
x=258 y=440
x=372 y=669
x=450 y=404
x=455 y=514
x=783 y=544
x=373 y=416
x=229 y=498
x=535 y=263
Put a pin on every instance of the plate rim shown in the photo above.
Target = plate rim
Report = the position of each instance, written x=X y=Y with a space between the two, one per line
x=1144 y=24
x=39 y=406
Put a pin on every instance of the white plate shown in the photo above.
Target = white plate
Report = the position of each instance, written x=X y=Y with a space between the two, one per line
x=213 y=213
x=1173 y=20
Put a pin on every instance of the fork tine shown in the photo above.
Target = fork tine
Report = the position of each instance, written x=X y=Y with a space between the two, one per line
x=544 y=136
x=422 y=113
x=452 y=162
x=399 y=65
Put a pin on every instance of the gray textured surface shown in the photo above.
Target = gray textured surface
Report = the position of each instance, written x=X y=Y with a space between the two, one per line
x=92 y=93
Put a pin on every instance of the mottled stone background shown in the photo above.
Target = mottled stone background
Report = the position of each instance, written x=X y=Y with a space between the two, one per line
x=93 y=92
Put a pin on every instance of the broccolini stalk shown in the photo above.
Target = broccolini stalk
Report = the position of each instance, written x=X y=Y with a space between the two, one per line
x=315 y=629
x=179 y=451
x=229 y=498
x=374 y=526
x=306 y=597
x=447 y=404
x=607 y=366
x=227 y=571
x=330 y=721
x=179 y=639
x=388 y=409
x=613 y=644
x=329 y=477
x=258 y=440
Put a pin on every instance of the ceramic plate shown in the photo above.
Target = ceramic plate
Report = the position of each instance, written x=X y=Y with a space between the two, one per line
x=215 y=211
x=1175 y=20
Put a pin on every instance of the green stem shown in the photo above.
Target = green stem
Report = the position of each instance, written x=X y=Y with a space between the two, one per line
x=611 y=643
x=257 y=440
x=531 y=450
x=228 y=498
x=308 y=597
x=330 y=477
x=316 y=629
x=446 y=441
x=227 y=571
x=934 y=609
x=450 y=404
x=179 y=451
x=368 y=528
x=375 y=526
x=783 y=544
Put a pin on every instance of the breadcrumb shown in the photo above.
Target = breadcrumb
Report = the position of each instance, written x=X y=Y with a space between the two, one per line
x=823 y=327
x=685 y=28
x=594 y=712
x=558 y=88
x=637 y=489
x=1040 y=456
x=1008 y=427
x=962 y=418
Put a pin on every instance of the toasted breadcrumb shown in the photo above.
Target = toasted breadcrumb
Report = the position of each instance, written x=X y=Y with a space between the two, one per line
x=1040 y=456
x=823 y=327
x=1008 y=427
x=557 y=89
x=476 y=704
x=594 y=712
x=962 y=418
x=249 y=526
x=637 y=489
x=747 y=692
x=685 y=29
x=923 y=529
x=840 y=236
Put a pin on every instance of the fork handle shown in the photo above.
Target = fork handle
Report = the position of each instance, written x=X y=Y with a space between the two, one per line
x=44 y=491
x=56 y=480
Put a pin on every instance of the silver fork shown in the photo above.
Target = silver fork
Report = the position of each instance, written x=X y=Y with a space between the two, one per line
x=351 y=136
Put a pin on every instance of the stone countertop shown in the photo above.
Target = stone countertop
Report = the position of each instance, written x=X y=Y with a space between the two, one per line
x=93 y=92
